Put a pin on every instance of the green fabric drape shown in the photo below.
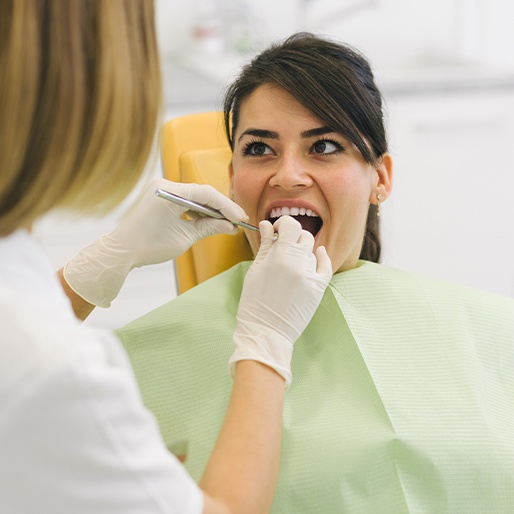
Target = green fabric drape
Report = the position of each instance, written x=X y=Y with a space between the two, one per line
x=402 y=398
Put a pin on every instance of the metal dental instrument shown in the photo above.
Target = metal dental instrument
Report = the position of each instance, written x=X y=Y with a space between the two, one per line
x=200 y=208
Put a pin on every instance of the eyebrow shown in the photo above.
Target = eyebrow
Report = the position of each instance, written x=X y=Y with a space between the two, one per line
x=271 y=134
x=320 y=131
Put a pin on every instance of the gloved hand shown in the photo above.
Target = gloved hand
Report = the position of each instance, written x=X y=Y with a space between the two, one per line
x=282 y=290
x=151 y=232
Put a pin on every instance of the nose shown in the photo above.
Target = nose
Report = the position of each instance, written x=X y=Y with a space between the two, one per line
x=290 y=173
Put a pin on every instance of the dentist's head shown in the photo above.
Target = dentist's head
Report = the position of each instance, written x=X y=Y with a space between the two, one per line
x=80 y=96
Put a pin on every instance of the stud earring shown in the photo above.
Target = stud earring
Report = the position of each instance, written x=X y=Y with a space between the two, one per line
x=379 y=197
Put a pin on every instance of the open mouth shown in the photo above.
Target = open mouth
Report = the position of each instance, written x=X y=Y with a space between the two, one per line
x=308 y=219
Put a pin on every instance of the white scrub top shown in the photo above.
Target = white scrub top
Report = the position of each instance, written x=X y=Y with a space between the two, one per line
x=74 y=434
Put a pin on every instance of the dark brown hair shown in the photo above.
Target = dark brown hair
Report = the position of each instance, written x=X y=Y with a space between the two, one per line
x=336 y=84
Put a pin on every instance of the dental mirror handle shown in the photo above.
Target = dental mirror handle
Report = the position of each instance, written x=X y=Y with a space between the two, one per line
x=200 y=208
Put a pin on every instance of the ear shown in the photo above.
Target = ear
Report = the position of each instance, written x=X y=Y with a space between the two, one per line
x=383 y=179
x=231 y=180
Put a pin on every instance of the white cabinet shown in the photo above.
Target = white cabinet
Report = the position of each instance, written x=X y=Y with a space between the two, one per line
x=451 y=213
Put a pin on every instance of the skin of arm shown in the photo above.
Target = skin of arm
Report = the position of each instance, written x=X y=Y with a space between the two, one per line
x=242 y=472
x=81 y=307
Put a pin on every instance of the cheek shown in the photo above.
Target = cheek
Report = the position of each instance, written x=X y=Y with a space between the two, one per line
x=240 y=191
x=350 y=194
x=348 y=201
x=247 y=189
x=246 y=193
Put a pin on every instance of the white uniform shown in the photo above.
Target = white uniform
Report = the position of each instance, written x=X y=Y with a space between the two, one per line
x=74 y=434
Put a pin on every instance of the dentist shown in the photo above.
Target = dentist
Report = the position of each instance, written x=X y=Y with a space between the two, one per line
x=79 y=103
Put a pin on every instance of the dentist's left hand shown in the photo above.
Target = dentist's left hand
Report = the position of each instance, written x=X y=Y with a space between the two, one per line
x=152 y=231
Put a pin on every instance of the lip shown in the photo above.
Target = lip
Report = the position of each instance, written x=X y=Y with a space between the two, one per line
x=295 y=203
x=289 y=204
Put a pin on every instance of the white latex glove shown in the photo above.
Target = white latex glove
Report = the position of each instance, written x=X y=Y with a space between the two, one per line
x=151 y=232
x=282 y=290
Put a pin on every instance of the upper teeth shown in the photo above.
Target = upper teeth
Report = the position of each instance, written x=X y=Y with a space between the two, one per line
x=291 y=211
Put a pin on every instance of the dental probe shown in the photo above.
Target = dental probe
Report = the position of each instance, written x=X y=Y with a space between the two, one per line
x=200 y=208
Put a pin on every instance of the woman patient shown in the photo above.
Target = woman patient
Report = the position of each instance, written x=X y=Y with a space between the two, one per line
x=403 y=391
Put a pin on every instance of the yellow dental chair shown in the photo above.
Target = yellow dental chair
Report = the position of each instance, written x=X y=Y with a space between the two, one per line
x=194 y=149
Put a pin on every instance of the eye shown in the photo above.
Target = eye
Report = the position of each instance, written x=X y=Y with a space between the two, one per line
x=256 y=148
x=326 y=147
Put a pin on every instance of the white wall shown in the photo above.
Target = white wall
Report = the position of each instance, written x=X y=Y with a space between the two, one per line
x=391 y=32
x=451 y=212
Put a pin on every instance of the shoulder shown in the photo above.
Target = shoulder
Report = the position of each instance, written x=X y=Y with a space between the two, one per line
x=437 y=288
x=390 y=288
x=199 y=320
x=208 y=299
x=391 y=279
x=224 y=287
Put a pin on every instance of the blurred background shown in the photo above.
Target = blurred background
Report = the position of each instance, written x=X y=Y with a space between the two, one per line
x=446 y=69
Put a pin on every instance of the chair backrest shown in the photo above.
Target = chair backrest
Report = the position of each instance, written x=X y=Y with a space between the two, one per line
x=194 y=149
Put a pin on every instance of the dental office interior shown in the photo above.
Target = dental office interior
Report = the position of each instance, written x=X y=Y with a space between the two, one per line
x=446 y=70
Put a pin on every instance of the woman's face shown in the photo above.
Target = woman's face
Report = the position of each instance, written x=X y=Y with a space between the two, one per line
x=287 y=162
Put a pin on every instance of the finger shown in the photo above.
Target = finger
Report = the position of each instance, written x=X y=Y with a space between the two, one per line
x=324 y=268
x=306 y=239
x=267 y=239
x=289 y=230
x=208 y=195
x=192 y=215
x=166 y=206
x=266 y=229
x=206 y=227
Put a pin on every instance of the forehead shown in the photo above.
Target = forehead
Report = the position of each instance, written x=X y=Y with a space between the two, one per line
x=272 y=107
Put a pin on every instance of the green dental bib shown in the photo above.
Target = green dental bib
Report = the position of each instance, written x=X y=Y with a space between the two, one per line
x=402 y=398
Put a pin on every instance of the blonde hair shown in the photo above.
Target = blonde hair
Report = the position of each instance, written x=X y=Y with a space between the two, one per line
x=80 y=99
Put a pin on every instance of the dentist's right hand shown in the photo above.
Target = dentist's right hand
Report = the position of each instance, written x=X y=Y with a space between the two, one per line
x=151 y=232
x=281 y=292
